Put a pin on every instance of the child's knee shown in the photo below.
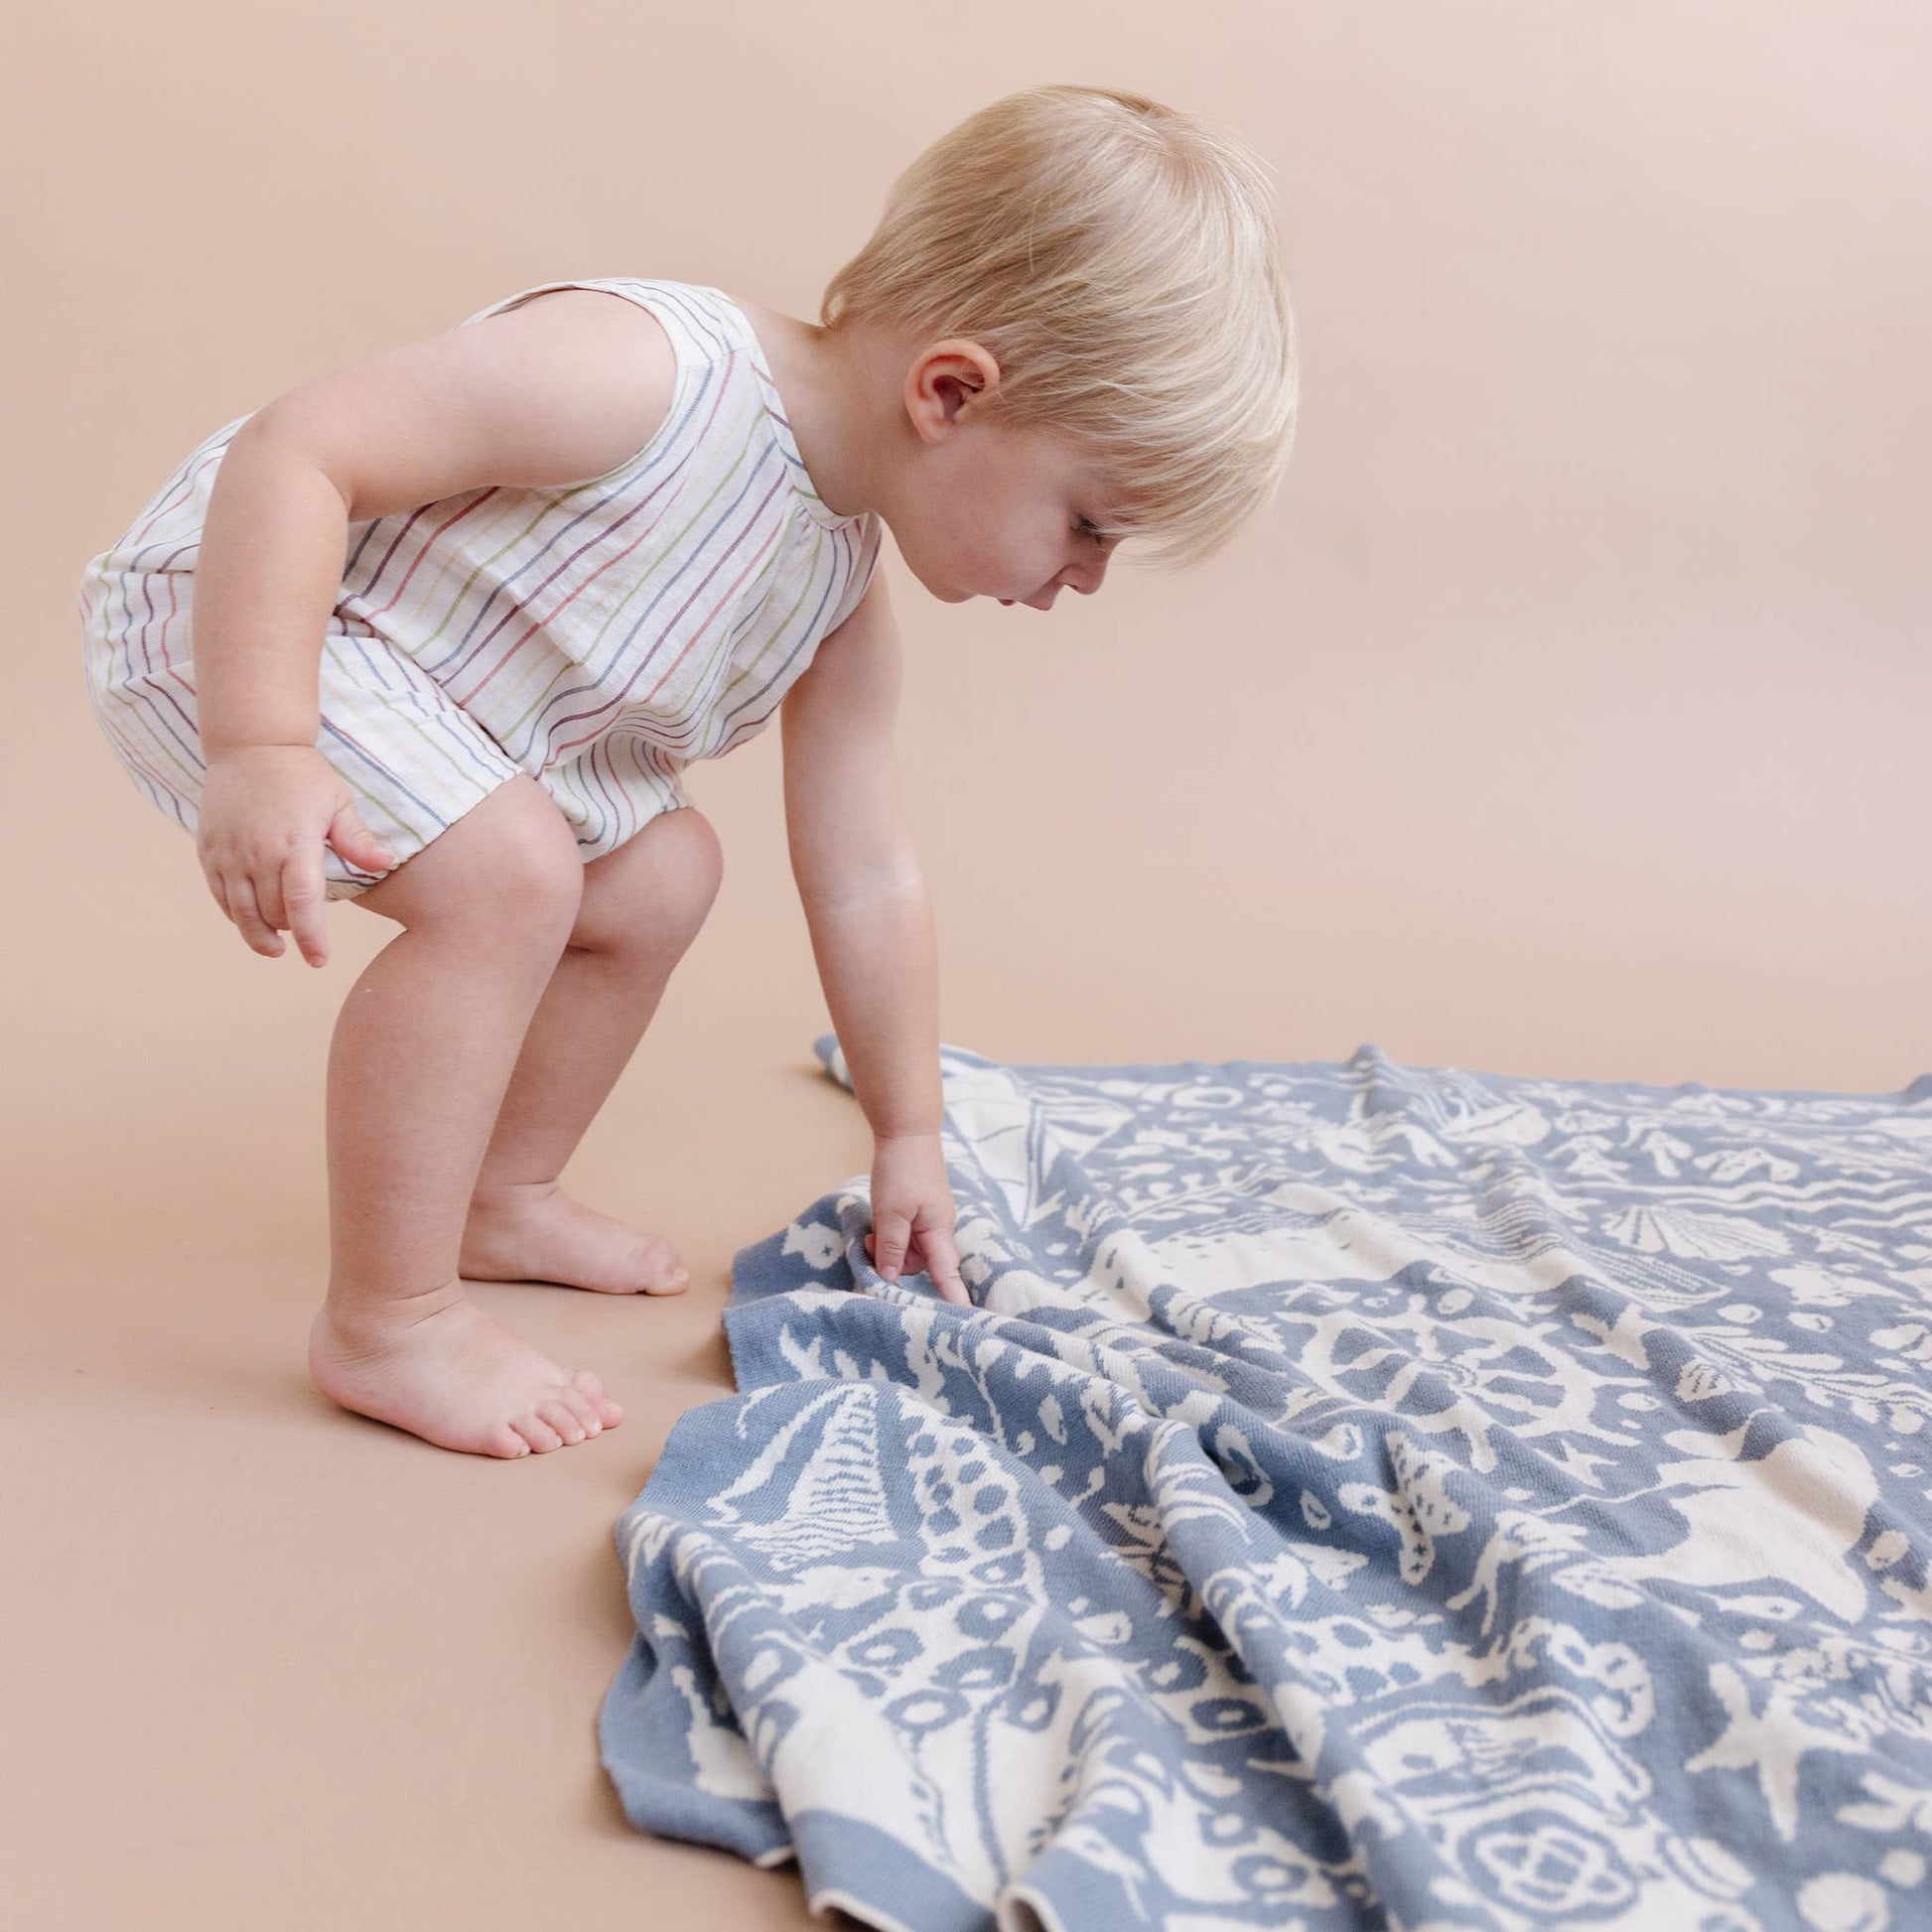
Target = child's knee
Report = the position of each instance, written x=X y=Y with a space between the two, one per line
x=652 y=895
x=509 y=871
x=701 y=856
x=692 y=867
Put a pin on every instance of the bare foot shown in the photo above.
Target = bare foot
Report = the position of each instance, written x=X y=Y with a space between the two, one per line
x=438 y=1367
x=539 y=1234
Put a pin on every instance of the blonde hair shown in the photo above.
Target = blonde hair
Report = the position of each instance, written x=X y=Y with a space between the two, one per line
x=1120 y=262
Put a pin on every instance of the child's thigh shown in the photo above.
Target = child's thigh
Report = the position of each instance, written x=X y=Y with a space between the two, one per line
x=416 y=763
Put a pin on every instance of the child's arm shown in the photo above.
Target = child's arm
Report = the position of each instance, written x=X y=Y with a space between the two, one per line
x=872 y=928
x=564 y=387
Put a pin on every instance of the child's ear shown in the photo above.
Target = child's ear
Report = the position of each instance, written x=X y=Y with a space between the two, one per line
x=947 y=376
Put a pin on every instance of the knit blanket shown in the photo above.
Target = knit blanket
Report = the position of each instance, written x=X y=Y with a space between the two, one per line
x=1360 y=1496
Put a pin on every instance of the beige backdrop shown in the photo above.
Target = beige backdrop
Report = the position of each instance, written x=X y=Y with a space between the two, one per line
x=1566 y=714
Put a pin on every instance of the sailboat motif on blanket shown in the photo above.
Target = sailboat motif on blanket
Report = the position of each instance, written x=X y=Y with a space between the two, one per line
x=831 y=1503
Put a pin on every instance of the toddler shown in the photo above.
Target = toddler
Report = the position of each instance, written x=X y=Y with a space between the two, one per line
x=440 y=633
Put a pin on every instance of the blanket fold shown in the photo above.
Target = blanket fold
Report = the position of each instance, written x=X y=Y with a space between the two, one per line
x=1360 y=1495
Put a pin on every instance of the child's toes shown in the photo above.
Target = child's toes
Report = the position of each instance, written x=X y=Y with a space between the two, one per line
x=609 y=1413
x=660 y=1269
x=582 y=1407
x=563 y=1419
x=538 y=1433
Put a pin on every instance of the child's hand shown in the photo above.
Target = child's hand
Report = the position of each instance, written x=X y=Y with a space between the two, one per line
x=267 y=810
x=912 y=1212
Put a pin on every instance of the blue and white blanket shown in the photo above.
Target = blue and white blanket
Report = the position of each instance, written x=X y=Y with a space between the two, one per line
x=1362 y=1495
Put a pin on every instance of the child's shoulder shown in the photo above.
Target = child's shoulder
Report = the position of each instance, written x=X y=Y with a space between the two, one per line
x=612 y=308
x=601 y=358
x=546 y=389
x=685 y=315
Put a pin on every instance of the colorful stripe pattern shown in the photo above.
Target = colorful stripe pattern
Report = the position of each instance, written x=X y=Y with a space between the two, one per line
x=597 y=636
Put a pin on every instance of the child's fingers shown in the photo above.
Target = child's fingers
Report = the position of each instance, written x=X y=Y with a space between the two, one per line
x=267 y=881
x=942 y=1263
x=890 y=1232
x=246 y=914
x=305 y=895
x=357 y=842
x=219 y=889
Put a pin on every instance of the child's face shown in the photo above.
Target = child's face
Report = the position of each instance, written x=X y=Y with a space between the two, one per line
x=994 y=510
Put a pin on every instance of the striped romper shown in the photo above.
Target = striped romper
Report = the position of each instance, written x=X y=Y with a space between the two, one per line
x=597 y=636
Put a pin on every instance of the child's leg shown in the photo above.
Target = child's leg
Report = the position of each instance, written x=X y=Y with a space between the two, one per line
x=422 y=1054
x=642 y=908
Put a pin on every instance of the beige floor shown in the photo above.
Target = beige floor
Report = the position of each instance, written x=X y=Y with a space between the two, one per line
x=270 y=1664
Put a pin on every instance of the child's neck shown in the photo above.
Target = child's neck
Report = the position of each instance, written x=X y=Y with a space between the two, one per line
x=841 y=395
